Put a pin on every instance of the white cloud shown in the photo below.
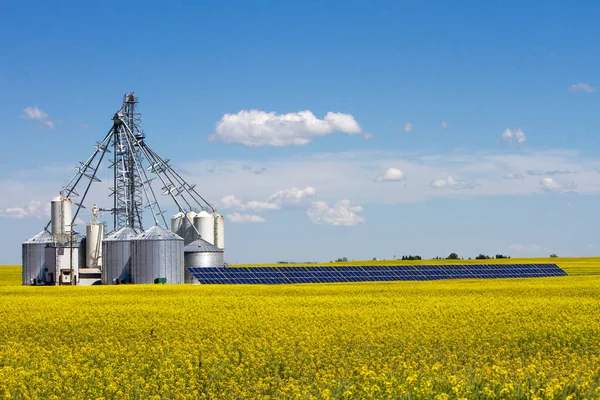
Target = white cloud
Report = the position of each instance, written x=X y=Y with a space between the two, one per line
x=444 y=124
x=550 y=185
x=451 y=183
x=37 y=114
x=275 y=201
x=230 y=202
x=292 y=195
x=368 y=136
x=341 y=214
x=408 y=127
x=586 y=87
x=513 y=176
x=392 y=174
x=255 y=128
x=243 y=218
x=260 y=206
x=516 y=135
x=233 y=203
x=32 y=209
x=34 y=113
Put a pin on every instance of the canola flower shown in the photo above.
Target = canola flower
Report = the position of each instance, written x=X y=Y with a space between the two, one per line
x=460 y=339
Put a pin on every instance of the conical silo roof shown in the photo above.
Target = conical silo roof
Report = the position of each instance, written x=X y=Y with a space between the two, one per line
x=201 y=246
x=124 y=234
x=42 y=237
x=157 y=232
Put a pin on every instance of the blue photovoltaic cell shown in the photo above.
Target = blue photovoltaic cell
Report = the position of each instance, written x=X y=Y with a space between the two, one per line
x=321 y=274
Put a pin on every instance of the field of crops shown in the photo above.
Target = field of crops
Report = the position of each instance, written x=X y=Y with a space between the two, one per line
x=500 y=338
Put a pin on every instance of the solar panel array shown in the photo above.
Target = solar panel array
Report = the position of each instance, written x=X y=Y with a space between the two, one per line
x=320 y=274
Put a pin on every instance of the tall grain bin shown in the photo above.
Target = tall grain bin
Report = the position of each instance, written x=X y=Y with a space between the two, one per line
x=116 y=249
x=188 y=231
x=205 y=224
x=94 y=236
x=61 y=211
x=177 y=223
x=219 y=231
x=34 y=258
x=157 y=257
x=201 y=254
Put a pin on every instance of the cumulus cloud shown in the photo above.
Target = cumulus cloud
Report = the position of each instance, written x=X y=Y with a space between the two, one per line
x=513 y=135
x=340 y=214
x=408 y=127
x=254 y=128
x=585 y=87
x=451 y=183
x=37 y=114
x=243 y=218
x=513 y=176
x=444 y=124
x=292 y=195
x=32 y=209
x=550 y=185
x=392 y=174
x=233 y=203
x=368 y=136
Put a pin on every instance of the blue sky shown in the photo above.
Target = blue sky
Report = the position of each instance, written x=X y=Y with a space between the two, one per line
x=501 y=97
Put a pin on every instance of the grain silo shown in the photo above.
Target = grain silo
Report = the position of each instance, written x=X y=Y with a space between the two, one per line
x=177 y=223
x=34 y=258
x=188 y=231
x=205 y=224
x=201 y=254
x=157 y=257
x=219 y=231
x=116 y=249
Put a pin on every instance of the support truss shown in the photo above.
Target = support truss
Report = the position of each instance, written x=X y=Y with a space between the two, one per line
x=134 y=167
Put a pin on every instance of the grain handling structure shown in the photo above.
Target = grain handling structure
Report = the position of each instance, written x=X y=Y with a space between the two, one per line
x=129 y=253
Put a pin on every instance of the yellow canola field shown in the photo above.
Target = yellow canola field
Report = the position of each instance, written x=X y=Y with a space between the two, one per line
x=485 y=339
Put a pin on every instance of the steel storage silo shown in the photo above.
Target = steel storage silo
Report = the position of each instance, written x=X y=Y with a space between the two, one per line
x=61 y=210
x=94 y=236
x=205 y=224
x=219 y=231
x=188 y=232
x=201 y=254
x=177 y=223
x=157 y=257
x=34 y=258
x=116 y=249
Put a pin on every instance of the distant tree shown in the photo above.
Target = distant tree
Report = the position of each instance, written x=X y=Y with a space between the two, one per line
x=343 y=259
x=501 y=256
x=453 y=256
x=482 y=257
x=553 y=256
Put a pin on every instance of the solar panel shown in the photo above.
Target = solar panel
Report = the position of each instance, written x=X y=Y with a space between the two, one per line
x=330 y=274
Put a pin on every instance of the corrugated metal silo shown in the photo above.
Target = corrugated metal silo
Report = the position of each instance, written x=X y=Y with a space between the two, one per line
x=201 y=254
x=34 y=258
x=205 y=224
x=116 y=249
x=157 y=256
